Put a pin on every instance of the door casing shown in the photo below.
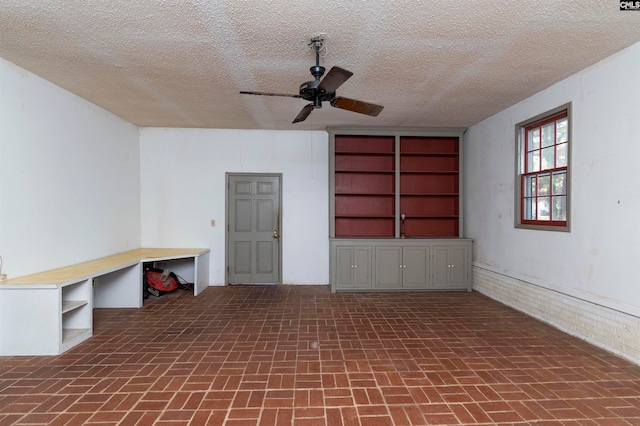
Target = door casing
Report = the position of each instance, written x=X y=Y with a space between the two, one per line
x=228 y=247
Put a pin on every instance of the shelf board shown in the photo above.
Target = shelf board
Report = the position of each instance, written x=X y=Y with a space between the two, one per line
x=366 y=194
x=367 y=171
x=364 y=153
x=430 y=194
x=70 y=305
x=430 y=172
x=73 y=336
x=383 y=216
x=430 y=216
x=366 y=216
x=430 y=154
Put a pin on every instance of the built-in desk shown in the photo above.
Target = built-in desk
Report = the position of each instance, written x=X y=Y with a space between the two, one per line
x=49 y=312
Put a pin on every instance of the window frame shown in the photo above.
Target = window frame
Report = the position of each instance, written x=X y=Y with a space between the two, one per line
x=521 y=163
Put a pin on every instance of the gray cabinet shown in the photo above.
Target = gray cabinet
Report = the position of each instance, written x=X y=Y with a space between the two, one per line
x=416 y=267
x=451 y=266
x=388 y=267
x=402 y=267
x=352 y=266
x=400 y=264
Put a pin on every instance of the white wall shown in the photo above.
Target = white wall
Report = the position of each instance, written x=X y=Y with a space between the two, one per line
x=69 y=177
x=183 y=189
x=597 y=260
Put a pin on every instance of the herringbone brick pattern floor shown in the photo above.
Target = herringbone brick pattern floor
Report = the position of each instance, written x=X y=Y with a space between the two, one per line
x=299 y=355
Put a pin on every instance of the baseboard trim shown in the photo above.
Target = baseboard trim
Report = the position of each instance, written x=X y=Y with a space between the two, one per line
x=607 y=328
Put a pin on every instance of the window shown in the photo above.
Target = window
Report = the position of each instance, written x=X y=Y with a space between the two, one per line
x=543 y=172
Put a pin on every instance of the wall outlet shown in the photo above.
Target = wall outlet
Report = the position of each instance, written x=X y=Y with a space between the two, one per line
x=213 y=222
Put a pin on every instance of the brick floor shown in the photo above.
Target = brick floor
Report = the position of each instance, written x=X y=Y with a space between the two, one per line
x=299 y=355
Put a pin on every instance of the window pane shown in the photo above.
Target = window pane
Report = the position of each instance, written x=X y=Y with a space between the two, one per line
x=529 y=209
x=547 y=158
x=543 y=208
x=548 y=134
x=560 y=208
x=529 y=186
x=561 y=155
x=534 y=139
x=544 y=182
x=543 y=165
x=561 y=129
x=533 y=162
x=559 y=183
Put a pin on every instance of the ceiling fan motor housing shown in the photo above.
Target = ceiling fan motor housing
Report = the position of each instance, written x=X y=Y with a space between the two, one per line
x=310 y=92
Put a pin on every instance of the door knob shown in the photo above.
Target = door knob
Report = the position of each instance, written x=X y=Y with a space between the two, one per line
x=275 y=234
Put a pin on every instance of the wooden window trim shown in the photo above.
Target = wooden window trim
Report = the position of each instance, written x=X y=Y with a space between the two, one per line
x=525 y=171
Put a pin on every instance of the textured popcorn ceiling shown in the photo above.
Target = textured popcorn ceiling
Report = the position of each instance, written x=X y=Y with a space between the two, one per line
x=181 y=63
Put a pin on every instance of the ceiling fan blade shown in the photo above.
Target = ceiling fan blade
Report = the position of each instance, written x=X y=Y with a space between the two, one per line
x=242 y=92
x=356 y=106
x=304 y=113
x=334 y=78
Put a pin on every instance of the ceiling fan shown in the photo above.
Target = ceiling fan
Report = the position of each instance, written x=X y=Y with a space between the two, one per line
x=318 y=91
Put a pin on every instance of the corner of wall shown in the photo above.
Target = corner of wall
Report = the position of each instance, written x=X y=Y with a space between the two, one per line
x=609 y=329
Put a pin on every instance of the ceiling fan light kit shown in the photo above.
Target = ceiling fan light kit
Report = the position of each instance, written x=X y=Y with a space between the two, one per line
x=324 y=89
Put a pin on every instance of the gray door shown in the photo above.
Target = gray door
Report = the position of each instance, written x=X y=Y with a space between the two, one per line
x=415 y=267
x=353 y=267
x=253 y=231
x=388 y=266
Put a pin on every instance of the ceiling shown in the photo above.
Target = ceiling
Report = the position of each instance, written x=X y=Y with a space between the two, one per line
x=181 y=63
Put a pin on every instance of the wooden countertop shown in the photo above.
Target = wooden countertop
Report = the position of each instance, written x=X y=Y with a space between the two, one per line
x=101 y=266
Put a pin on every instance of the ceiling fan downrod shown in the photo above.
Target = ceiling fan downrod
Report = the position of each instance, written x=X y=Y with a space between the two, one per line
x=317 y=71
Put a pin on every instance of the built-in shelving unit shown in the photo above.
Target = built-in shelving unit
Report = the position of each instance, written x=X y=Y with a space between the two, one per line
x=76 y=313
x=49 y=312
x=380 y=177
x=395 y=216
x=429 y=185
x=365 y=186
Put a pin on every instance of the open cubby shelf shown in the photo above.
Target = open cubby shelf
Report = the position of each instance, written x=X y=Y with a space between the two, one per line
x=429 y=194
x=429 y=154
x=428 y=172
x=429 y=145
x=364 y=154
x=378 y=178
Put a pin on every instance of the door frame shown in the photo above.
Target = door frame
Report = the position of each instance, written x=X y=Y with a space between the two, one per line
x=227 y=229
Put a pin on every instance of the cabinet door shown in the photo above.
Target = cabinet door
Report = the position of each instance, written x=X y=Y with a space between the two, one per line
x=344 y=266
x=362 y=267
x=450 y=267
x=415 y=271
x=441 y=267
x=388 y=267
x=458 y=270
x=353 y=267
